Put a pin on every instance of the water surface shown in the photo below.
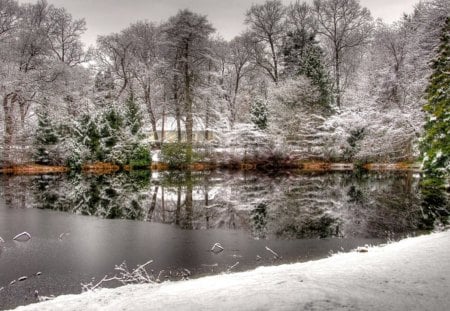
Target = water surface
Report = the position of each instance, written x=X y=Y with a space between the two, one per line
x=84 y=225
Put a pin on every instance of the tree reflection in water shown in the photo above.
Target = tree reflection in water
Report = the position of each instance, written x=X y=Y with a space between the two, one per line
x=290 y=206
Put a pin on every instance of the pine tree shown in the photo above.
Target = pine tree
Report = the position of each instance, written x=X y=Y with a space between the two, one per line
x=133 y=117
x=259 y=114
x=303 y=56
x=112 y=125
x=436 y=142
x=88 y=134
x=46 y=138
x=138 y=154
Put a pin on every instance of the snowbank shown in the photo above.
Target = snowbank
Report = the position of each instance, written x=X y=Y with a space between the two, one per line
x=413 y=274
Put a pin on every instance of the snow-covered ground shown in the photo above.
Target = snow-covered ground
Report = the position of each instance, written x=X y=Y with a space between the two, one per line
x=413 y=274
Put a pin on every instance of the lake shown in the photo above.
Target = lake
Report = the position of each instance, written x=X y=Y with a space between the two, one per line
x=83 y=225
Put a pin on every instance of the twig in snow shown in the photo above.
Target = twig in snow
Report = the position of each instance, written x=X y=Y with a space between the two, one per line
x=273 y=253
x=90 y=286
x=362 y=249
x=233 y=266
x=45 y=298
x=139 y=275
x=217 y=248
x=185 y=274
x=24 y=236
x=213 y=265
x=158 y=279
x=63 y=234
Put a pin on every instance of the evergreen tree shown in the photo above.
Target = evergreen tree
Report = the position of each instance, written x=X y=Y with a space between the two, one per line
x=303 y=56
x=133 y=117
x=111 y=137
x=436 y=142
x=46 y=138
x=259 y=114
x=88 y=134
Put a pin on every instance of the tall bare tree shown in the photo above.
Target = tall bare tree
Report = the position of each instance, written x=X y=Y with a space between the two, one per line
x=240 y=57
x=65 y=36
x=145 y=66
x=115 y=53
x=300 y=17
x=346 y=26
x=266 y=21
x=391 y=44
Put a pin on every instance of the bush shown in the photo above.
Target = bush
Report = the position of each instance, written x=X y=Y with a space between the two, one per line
x=140 y=157
x=176 y=155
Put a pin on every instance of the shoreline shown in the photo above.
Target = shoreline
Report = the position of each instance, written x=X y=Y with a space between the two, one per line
x=313 y=166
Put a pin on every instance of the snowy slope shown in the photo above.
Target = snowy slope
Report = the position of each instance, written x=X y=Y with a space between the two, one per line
x=413 y=274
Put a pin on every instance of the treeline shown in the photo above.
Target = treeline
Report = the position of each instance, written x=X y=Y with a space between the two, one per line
x=321 y=80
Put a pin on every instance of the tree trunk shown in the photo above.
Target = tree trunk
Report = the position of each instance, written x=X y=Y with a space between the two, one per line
x=188 y=106
x=152 y=205
x=189 y=201
x=177 y=107
x=207 y=110
x=148 y=103
x=8 y=137
x=275 y=61
x=337 y=78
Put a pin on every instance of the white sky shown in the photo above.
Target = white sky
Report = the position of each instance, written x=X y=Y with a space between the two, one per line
x=227 y=16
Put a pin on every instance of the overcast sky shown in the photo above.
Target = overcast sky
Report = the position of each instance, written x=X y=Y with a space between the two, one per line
x=227 y=16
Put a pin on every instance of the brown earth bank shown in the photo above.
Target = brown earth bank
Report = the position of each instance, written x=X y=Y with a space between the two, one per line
x=32 y=169
x=105 y=168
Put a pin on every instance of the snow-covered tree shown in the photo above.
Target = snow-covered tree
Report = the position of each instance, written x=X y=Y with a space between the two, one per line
x=296 y=117
x=64 y=36
x=187 y=34
x=345 y=26
x=46 y=138
x=436 y=141
x=303 y=56
x=259 y=114
x=266 y=22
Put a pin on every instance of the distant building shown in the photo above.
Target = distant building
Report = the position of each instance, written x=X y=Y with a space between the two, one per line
x=168 y=132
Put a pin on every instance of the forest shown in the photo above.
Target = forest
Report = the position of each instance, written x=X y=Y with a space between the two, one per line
x=304 y=81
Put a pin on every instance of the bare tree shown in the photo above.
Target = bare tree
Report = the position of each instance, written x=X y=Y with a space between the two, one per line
x=115 y=53
x=391 y=44
x=64 y=36
x=145 y=66
x=346 y=26
x=240 y=60
x=300 y=18
x=31 y=43
x=266 y=21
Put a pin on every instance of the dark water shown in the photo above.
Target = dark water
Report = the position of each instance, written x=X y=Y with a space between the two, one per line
x=82 y=226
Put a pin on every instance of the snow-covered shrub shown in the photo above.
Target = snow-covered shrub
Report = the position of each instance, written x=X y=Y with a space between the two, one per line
x=176 y=156
x=140 y=157
x=245 y=143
